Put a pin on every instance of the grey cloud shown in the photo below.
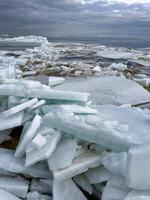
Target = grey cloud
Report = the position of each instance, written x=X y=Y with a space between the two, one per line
x=66 y=18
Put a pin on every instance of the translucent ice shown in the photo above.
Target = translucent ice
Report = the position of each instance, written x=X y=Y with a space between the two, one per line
x=4 y=195
x=80 y=164
x=16 y=186
x=67 y=190
x=83 y=182
x=98 y=175
x=34 y=155
x=55 y=80
x=138 y=195
x=17 y=165
x=27 y=134
x=63 y=154
x=138 y=170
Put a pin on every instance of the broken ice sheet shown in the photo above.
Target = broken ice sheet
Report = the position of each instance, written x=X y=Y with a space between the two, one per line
x=17 y=165
x=98 y=175
x=4 y=195
x=63 y=154
x=138 y=170
x=11 y=121
x=82 y=181
x=16 y=186
x=27 y=134
x=33 y=155
x=36 y=90
x=109 y=133
x=115 y=162
x=55 y=80
x=18 y=108
x=79 y=165
x=67 y=190
x=77 y=109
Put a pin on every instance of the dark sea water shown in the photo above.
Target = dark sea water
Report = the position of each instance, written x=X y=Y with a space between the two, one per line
x=128 y=42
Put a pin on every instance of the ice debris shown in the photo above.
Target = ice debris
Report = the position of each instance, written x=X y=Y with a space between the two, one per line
x=70 y=149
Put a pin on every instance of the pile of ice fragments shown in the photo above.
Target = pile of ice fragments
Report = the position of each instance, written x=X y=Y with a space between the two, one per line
x=69 y=148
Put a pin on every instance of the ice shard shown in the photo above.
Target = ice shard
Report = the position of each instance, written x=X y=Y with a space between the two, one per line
x=67 y=148
x=4 y=195
x=80 y=164
x=17 y=186
x=67 y=190
x=34 y=155
x=17 y=165
x=138 y=170
x=27 y=134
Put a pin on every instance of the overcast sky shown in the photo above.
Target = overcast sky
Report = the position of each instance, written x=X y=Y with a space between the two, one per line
x=75 y=18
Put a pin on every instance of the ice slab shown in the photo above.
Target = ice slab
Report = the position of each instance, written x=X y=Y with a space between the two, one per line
x=26 y=89
x=34 y=155
x=115 y=162
x=138 y=170
x=18 y=108
x=63 y=154
x=11 y=121
x=17 y=165
x=80 y=164
x=4 y=195
x=109 y=133
x=98 y=175
x=77 y=109
x=4 y=135
x=138 y=195
x=108 y=90
x=27 y=134
x=82 y=181
x=16 y=186
x=55 y=80
x=39 y=141
x=67 y=190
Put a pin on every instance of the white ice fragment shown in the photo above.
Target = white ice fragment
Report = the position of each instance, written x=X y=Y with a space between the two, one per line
x=63 y=155
x=55 y=80
x=11 y=121
x=82 y=181
x=138 y=195
x=39 y=141
x=67 y=190
x=80 y=164
x=27 y=135
x=19 y=108
x=46 y=151
x=17 y=165
x=118 y=66
x=115 y=162
x=4 y=195
x=98 y=175
x=16 y=186
x=97 y=69
x=37 y=105
x=29 y=73
x=138 y=170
